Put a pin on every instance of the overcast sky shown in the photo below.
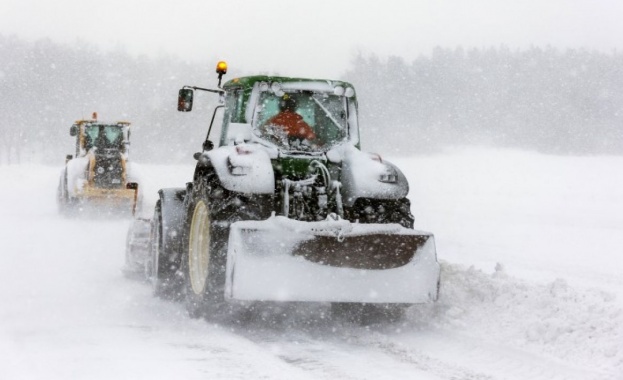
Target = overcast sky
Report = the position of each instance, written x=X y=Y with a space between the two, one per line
x=314 y=38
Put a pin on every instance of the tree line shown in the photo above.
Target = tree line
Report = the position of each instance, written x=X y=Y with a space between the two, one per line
x=46 y=86
x=545 y=99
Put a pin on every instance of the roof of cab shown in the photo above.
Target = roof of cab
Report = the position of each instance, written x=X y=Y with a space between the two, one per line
x=98 y=122
x=250 y=81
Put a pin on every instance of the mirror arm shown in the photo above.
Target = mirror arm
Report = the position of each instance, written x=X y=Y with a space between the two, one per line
x=220 y=92
x=212 y=121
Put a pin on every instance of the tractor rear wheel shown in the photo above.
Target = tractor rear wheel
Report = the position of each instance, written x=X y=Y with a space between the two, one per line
x=161 y=273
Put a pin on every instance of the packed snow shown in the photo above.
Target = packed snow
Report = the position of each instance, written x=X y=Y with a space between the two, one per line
x=530 y=249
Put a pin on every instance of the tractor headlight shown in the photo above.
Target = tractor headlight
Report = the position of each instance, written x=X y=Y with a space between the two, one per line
x=237 y=168
x=390 y=176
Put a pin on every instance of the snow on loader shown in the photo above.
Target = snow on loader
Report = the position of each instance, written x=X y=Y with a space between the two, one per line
x=288 y=208
x=99 y=176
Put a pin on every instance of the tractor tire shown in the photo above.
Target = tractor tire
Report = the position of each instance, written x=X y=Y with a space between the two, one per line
x=401 y=213
x=211 y=209
x=382 y=211
x=204 y=250
x=66 y=205
x=131 y=269
x=162 y=275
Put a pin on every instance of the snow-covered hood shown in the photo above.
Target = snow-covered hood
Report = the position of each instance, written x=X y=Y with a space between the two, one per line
x=247 y=168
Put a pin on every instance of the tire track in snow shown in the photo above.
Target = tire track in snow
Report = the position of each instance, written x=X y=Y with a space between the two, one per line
x=483 y=327
x=453 y=356
x=331 y=349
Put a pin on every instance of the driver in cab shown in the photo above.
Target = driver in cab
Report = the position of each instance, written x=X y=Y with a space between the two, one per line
x=289 y=121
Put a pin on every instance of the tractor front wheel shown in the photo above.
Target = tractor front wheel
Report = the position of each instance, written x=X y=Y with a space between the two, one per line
x=203 y=262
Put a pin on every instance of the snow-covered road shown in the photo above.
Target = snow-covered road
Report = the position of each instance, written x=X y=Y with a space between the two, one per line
x=530 y=247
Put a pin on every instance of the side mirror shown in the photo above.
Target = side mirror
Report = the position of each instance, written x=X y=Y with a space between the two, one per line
x=68 y=158
x=185 y=100
x=73 y=131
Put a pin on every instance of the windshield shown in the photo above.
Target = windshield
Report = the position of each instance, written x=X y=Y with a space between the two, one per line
x=103 y=136
x=302 y=120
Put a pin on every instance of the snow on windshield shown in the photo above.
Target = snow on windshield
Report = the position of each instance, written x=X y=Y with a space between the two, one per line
x=103 y=136
x=301 y=120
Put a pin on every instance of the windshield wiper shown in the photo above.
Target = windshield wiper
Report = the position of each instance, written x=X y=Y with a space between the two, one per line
x=328 y=113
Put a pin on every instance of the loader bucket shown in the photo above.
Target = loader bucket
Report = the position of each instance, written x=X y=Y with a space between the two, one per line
x=280 y=259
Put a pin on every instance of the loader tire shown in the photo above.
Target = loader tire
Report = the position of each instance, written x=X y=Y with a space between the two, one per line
x=66 y=205
x=162 y=275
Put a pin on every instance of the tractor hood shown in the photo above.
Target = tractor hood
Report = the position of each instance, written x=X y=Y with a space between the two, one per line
x=249 y=168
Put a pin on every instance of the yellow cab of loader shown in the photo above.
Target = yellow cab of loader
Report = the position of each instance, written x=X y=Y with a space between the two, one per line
x=99 y=175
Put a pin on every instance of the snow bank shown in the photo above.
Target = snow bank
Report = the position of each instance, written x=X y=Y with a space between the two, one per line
x=581 y=326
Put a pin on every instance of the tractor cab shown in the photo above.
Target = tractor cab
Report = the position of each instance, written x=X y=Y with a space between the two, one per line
x=290 y=114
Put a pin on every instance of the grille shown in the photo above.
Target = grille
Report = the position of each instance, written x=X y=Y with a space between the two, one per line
x=108 y=173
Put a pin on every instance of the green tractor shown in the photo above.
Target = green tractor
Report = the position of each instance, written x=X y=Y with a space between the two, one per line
x=288 y=208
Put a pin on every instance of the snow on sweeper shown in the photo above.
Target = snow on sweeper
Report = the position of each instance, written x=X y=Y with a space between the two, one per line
x=279 y=213
x=99 y=176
